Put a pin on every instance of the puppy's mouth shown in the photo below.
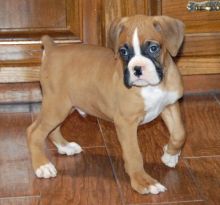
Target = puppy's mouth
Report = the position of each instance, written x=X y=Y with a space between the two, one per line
x=140 y=83
x=141 y=77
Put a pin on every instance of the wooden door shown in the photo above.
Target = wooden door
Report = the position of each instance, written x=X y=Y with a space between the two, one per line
x=23 y=22
x=199 y=59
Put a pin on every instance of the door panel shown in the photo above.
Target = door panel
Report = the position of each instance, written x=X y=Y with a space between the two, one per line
x=32 y=14
x=29 y=19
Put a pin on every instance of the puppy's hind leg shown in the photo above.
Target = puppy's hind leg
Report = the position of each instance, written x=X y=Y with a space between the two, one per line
x=63 y=146
x=53 y=112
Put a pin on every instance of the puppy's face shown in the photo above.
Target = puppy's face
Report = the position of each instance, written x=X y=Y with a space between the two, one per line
x=142 y=61
x=142 y=44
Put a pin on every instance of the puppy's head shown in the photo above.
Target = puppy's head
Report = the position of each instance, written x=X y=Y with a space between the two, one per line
x=142 y=43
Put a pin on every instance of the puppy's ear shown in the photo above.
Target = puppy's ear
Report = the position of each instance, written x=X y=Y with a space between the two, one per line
x=172 y=31
x=114 y=32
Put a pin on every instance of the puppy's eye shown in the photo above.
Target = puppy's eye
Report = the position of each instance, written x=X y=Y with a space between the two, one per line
x=123 y=51
x=154 y=48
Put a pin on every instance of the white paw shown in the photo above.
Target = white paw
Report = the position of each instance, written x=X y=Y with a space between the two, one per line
x=46 y=171
x=168 y=159
x=69 y=149
x=155 y=189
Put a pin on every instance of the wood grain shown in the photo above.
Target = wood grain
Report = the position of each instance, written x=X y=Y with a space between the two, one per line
x=198 y=65
x=133 y=7
x=32 y=13
x=115 y=9
x=201 y=45
x=206 y=172
x=152 y=138
x=92 y=22
x=154 y=7
x=217 y=96
x=20 y=74
x=201 y=83
x=85 y=179
x=15 y=171
x=20 y=93
x=75 y=128
x=84 y=131
x=20 y=54
x=41 y=16
x=178 y=10
x=20 y=201
x=111 y=10
x=202 y=121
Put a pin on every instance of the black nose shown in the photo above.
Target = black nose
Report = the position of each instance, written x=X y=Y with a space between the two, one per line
x=138 y=71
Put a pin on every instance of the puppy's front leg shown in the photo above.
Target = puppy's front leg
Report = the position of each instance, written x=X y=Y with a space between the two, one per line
x=172 y=118
x=140 y=180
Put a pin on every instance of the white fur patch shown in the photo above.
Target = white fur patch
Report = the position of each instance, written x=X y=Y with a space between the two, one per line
x=46 y=171
x=155 y=100
x=149 y=73
x=69 y=149
x=168 y=159
x=136 y=42
x=83 y=114
x=155 y=189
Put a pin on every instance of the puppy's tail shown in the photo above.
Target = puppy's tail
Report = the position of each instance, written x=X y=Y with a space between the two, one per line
x=47 y=42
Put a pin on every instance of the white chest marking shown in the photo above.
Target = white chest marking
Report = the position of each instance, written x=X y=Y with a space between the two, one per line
x=155 y=100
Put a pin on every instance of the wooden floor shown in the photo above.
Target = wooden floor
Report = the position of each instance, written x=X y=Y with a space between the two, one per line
x=97 y=176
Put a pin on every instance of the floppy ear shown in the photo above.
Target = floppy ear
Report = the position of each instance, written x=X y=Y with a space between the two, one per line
x=172 y=31
x=114 y=32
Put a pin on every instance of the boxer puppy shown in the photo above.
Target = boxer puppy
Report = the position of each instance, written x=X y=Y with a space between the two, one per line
x=129 y=85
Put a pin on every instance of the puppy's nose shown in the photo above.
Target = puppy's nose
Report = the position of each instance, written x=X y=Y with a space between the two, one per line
x=137 y=71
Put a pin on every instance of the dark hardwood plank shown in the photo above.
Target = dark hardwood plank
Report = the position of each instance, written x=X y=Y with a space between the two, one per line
x=201 y=83
x=16 y=175
x=85 y=179
x=202 y=121
x=20 y=201
x=195 y=202
x=152 y=137
x=199 y=202
x=84 y=131
x=217 y=97
x=206 y=172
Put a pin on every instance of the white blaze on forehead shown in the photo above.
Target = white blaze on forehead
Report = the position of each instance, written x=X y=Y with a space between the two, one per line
x=136 y=42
